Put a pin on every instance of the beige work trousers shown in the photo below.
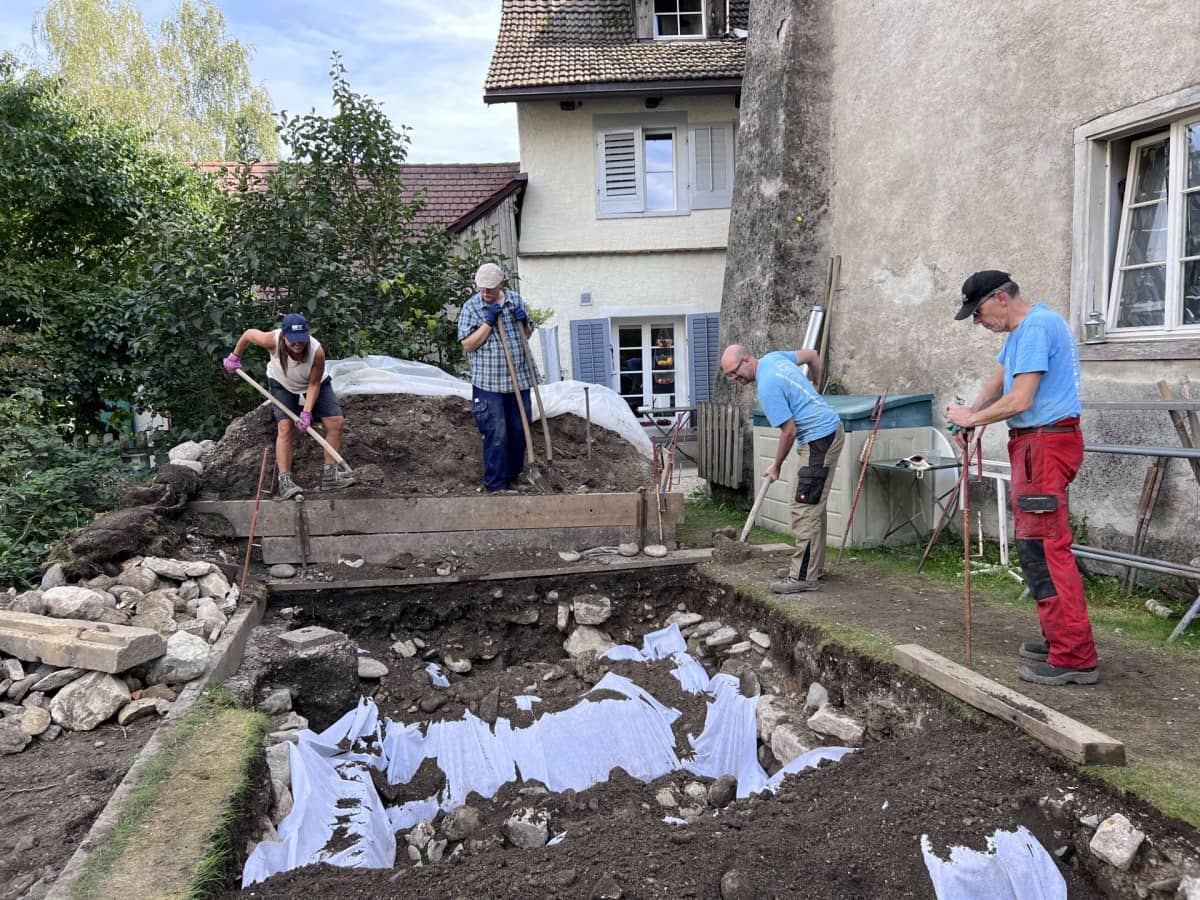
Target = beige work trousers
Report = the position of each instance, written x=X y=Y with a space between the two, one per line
x=816 y=463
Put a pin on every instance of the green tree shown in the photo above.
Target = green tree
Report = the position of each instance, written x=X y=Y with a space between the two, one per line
x=331 y=233
x=187 y=83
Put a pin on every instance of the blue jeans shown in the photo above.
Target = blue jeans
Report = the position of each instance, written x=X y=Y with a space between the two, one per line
x=499 y=420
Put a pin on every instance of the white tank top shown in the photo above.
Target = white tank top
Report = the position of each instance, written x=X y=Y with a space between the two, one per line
x=296 y=379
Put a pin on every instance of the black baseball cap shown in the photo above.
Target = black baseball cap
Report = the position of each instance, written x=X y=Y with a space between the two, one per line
x=977 y=287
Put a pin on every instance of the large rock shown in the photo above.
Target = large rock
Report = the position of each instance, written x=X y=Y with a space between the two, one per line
x=141 y=578
x=1116 y=841
x=188 y=450
x=186 y=658
x=587 y=639
x=371 y=669
x=591 y=609
x=86 y=702
x=166 y=568
x=137 y=709
x=53 y=577
x=29 y=602
x=787 y=744
x=13 y=738
x=527 y=829
x=846 y=729
x=55 y=680
x=35 y=721
x=769 y=715
x=78 y=643
x=213 y=585
x=155 y=611
x=461 y=823
x=69 y=602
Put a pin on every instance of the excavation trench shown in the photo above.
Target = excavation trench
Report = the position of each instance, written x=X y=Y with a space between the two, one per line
x=850 y=828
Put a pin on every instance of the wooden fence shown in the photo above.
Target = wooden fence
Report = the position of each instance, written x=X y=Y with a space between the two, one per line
x=719 y=444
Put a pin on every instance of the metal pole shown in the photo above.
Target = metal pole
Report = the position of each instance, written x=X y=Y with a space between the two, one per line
x=587 y=414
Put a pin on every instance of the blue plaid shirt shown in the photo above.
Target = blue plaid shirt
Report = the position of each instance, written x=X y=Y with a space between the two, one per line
x=489 y=371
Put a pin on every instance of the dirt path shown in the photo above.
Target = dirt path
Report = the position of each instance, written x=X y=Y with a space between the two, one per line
x=1147 y=697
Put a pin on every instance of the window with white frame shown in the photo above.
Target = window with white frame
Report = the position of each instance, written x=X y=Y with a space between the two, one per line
x=675 y=19
x=648 y=363
x=1154 y=257
x=656 y=167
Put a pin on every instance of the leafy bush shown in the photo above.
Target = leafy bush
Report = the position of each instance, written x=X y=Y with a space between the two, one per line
x=47 y=486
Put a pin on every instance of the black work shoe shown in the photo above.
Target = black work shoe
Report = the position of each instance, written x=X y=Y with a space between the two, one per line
x=334 y=479
x=793 y=586
x=1038 y=651
x=1044 y=673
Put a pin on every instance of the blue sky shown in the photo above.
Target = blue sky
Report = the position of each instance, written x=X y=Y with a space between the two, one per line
x=425 y=61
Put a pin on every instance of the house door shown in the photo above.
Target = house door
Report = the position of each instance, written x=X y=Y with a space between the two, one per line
x=648 y=364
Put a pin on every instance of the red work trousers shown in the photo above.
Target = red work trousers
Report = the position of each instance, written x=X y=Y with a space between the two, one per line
x=1044 y=463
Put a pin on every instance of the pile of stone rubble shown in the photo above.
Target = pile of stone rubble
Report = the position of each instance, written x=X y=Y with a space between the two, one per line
x=166 y=612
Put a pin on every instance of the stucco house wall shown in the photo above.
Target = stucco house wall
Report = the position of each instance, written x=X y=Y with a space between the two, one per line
x=959 y=138
x=666 y=266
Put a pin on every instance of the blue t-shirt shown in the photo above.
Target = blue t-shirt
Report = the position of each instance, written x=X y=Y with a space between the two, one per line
x=1043 y=343
x=784 y=392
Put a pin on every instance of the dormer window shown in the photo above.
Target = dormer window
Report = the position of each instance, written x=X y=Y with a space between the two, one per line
x=675 y=19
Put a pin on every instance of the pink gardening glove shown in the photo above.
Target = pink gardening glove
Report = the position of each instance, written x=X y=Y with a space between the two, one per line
x=305 y=421
x=231 y=363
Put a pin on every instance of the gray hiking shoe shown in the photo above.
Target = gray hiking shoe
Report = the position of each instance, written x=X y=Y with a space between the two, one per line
x=1044 y=673
x=334 y=479
x=286 y=488
x=793 y=586
x=1038 y=651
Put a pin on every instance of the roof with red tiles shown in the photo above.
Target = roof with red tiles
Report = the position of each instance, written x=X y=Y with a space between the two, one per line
x=546 y=44
x=456 y=194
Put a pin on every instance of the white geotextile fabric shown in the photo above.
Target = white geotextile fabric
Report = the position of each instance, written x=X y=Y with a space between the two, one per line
x=575 y=748
x=1015 y=867
x=388 y=375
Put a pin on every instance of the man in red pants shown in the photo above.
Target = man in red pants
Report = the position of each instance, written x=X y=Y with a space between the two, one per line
x=1035 y=388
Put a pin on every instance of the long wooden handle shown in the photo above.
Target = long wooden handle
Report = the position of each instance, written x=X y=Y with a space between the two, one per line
x=762 y=493
x=512 y=373
x=538 y=394
x=312 y=433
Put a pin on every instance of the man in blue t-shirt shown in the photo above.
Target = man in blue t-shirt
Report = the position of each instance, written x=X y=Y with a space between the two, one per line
x=792 y=404
x=1035 y=388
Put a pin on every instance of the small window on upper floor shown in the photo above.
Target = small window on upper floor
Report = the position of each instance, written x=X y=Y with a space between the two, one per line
x=676 y=19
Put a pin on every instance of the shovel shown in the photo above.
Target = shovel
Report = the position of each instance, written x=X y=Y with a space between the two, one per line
x=531 y=470
x=541 y=407
x=311 y=432
x=762 y=493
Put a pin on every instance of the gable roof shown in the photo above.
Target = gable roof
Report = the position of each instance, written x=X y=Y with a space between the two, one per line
x=456 y=194
x=549 y=48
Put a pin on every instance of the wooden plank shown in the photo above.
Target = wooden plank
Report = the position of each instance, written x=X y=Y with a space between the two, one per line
x=418 y=515
x=381 y=548
x=1077 y=742
x=674 y=559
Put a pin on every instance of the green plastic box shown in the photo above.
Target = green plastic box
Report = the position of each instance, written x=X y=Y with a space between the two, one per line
x=900 y=411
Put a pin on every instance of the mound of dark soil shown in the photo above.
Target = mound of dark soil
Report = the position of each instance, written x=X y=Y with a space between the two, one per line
x=399 y=444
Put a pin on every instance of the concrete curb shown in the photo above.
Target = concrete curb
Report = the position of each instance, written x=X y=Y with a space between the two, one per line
x=228 y=652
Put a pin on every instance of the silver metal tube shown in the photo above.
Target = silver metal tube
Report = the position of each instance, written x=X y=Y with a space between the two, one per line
x=816 y=323
x=1138 y=562
x=1127 y=450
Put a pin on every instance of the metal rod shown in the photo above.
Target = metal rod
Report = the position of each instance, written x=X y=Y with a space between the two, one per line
x=1186 y=620
x=587 y=415
x=1174 y=452
x=1140 y=562
x=262 y=473
x=966 y=537
x=1141 y=405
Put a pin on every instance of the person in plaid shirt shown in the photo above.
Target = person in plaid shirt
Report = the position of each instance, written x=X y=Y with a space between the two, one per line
x=490 y=315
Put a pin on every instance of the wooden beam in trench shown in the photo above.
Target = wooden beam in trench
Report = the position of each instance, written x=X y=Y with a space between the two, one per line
x=1077 y=742
x=418 y=515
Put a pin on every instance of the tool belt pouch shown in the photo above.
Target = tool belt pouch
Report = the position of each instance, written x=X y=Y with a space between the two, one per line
x=810 y=484
x=1037 y=503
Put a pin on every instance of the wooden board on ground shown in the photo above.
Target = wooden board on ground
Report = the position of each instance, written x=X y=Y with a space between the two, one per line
x=1077 y=742
x=616 y=564
x=440 y=514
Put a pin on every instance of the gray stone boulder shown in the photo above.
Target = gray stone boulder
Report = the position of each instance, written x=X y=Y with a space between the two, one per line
x=188 y=450
x=69 y=602
x=35 y=721
x=29 y=602
x=213 y=585
x=371 y=669
x=87 y=701
x=155 y=611
x=837 y=725
x=13 y=738
x=591 y=609
x=140 y=577
x=58 y=679
x=787 y=744
x=461 y=823
x=587 y=639
x=53 y=577
x=527 y=828
x=186 y=658
x=1116 y=841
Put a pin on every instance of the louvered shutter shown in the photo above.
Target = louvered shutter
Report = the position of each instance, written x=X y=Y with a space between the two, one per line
x=703 y=348
x=619 y=171
x=711 y=154
x=591 y=351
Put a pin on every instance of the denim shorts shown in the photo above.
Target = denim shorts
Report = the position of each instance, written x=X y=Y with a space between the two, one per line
x=326 y=406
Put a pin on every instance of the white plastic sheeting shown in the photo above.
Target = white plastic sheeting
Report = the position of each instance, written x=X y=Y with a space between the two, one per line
x=336 y=805
x=1015 y=867
x=388 y=375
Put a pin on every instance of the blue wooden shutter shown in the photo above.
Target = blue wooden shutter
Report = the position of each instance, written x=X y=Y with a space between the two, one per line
x=704 y=350
x=591 y=351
